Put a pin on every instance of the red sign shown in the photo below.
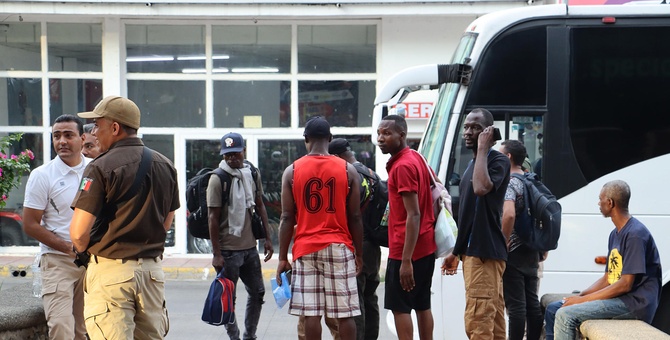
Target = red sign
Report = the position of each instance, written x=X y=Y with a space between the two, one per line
x=417 y=110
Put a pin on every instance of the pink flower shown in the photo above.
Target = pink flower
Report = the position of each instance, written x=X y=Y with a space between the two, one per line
x=0 y=172
x=4 y=197
x=2 y=155
x=30 y=153
x=14 y=157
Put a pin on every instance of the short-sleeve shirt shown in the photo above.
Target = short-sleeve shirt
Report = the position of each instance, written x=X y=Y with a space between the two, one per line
x=136 y=229
x=514 y=192
x=51 y=188
x=480 y=217
x=632 y=250
x=408 y=173
x=215 y=199
x=320 y=191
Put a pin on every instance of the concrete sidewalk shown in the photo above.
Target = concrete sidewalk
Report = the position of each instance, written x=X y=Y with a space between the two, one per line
x=176 y=267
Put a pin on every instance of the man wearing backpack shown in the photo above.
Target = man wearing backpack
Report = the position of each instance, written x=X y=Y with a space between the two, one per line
x=520 y=280
x=630 y=287
x=411 y=221
x=480 y=242
x=367 y=324
x=233 y=242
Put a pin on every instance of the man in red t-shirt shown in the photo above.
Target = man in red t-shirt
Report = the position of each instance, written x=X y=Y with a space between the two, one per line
x=321 y=197
x=411 y=260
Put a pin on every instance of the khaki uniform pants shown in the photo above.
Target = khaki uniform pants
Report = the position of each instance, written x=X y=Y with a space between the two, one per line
x=63 y=296
x=484 y=303
x=125 y=299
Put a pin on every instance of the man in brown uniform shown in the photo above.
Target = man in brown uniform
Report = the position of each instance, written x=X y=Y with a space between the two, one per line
x=125 y=293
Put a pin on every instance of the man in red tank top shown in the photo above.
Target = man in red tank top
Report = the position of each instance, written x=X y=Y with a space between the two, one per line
x=320 y=197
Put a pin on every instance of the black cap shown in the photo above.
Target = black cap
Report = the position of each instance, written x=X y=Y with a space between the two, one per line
x=232 y=142
x=317 y=127
x=338 y=146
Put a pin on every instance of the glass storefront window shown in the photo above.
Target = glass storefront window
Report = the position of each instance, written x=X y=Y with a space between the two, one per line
x=251 y=49
x=169 y=103
x=164 y=144
x=75 y=47
x=165 y=48
x=20 y=46
x=342 y=103
x=252 y=104
x=11 y=231
x=337 y=49
x=363 y=149
x=22 y=101
x=70 y=96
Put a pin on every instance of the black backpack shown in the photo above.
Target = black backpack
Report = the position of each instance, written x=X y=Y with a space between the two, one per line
x=197 y=221
x=374 y=207
x=539 y=227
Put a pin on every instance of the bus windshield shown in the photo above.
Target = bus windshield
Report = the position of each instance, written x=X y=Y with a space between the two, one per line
x=433 y=141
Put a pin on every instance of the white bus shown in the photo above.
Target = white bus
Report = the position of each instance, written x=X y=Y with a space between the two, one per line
x=587 y=89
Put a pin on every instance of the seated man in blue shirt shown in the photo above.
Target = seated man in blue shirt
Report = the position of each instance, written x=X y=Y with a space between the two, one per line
x=630 y=288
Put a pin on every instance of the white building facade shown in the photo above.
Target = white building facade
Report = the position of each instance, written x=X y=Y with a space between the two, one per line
x=199 y=69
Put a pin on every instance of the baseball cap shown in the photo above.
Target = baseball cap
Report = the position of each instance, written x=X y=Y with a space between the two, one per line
x=232 y=142
x=317 y=127
x=118 y=109
x=338 y=146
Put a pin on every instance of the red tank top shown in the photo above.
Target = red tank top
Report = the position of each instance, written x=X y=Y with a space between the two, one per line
x=320 y=191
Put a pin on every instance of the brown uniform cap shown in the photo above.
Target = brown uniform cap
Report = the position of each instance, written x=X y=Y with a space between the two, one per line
x=118 y=109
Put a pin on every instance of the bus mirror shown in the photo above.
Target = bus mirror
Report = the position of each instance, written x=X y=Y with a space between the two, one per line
x=454 y=73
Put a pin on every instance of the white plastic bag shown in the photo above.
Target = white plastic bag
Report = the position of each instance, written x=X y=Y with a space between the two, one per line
x=445 y=233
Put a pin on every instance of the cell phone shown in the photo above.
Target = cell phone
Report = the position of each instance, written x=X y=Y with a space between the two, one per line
x=288 y=276
x=496 y=134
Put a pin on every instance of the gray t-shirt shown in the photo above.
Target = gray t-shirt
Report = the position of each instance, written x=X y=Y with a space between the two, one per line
x=228 y=241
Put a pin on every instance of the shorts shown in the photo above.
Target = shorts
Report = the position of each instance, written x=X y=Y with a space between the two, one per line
x=324 y=282
x=398 y=300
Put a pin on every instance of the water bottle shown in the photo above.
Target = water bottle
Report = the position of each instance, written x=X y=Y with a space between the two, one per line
x=37 y=277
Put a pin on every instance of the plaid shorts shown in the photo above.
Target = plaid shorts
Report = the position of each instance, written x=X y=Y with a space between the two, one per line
x=324 y=282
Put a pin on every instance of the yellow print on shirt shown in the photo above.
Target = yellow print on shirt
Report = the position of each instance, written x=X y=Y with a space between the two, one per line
x=614 y=266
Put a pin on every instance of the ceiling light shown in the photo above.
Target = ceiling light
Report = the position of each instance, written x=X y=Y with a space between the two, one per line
x=202 y=70
x=202 y=57
x=255 y=70
x=149 y=58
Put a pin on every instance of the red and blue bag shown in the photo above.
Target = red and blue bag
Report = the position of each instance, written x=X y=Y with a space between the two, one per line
x=219 y=306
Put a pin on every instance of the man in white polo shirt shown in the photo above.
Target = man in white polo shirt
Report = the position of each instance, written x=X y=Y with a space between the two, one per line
x=46 y=217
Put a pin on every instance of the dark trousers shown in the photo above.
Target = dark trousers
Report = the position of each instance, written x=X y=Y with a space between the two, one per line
x=367 y=324
x=246 y=266
x=520 y=284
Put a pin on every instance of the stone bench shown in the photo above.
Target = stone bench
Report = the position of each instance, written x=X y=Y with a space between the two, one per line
x=610 y=329
x=620 y=329
x=22 y=314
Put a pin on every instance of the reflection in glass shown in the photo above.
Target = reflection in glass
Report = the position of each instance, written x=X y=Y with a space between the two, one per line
x=363 y=149
x=165 y=48
x=342 y=103
x=75 y=47
x=252 y=104
x=337 y=49
x=251 y=49
x=20 y=46
x=164 y=144
x=11 y=232
x=23 y=100
x=169 y=103
x=69 y=96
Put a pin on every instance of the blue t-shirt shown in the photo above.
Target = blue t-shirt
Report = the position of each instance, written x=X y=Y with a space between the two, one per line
x=632 y=250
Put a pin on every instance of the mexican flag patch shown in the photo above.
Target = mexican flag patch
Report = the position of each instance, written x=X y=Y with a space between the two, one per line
x=85 y=184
